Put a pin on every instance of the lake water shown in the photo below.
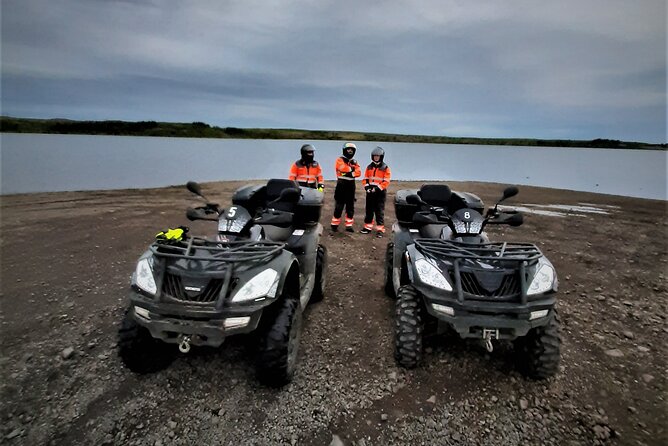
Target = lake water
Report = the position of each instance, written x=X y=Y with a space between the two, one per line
x=48 y=163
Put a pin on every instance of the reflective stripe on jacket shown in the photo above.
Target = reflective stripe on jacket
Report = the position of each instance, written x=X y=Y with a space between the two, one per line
x=310 y=174
x=377 y=176
x=346 y=171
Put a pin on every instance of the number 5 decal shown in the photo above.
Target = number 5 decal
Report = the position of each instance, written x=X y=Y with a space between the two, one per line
x=232 y=212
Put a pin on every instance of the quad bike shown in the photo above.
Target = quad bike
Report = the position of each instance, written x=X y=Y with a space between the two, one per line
x=258 y=273
x=446 y=274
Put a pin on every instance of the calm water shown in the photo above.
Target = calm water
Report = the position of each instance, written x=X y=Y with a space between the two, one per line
x=41 y=163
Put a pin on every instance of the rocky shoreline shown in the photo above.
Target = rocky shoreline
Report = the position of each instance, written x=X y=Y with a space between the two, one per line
x=66 y=262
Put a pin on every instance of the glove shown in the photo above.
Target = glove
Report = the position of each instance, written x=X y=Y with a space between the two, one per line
x=347 y=174
x=368 y=188
x=321 y=188
x=353 y=162
x=376 y=189
x=174 y=235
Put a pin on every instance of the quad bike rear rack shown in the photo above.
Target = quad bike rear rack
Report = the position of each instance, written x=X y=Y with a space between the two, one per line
x=489 y=271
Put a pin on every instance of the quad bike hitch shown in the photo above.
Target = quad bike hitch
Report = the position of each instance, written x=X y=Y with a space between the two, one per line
x=184 y=344
x=487 y=335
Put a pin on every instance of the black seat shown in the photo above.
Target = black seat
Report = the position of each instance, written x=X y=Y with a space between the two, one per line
x=435 y=194
x=275 y=188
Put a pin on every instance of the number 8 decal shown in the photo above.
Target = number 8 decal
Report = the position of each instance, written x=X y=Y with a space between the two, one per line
x=467 y=215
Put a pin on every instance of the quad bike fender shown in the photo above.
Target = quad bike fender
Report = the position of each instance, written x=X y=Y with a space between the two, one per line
x=402 y=239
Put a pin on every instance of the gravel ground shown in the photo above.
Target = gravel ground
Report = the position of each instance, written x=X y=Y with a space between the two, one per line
x=66 y=262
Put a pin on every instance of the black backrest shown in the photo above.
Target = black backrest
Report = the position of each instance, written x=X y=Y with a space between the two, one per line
x=435 y=194
x=274 y=189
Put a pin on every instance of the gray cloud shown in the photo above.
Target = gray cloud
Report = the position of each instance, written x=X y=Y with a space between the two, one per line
x=569 y=69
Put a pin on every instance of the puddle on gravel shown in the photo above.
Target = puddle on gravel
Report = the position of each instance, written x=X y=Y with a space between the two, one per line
x=562 y=210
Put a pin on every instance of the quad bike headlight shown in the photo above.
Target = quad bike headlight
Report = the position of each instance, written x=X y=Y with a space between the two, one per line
x=263 y=284
x=544 y=278
x=431 y=275
x=144 y=276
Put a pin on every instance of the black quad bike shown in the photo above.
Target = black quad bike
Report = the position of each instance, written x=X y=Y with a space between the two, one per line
x=257 y=274
x=446 y=274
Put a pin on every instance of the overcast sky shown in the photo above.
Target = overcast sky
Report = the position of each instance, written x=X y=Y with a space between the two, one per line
x=576 y=69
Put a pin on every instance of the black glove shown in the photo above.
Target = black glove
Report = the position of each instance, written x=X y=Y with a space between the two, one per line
x=353 y=162
x=368 y=188
x=348 y=174
x=376 y=189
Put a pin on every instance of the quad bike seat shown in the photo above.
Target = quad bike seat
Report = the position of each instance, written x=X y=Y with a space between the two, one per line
x=281 y=195
x=276 y=187
x=435 y=194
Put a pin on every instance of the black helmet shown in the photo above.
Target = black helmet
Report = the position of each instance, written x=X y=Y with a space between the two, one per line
x=378 y=151
x=348 y=146
x=307 y=152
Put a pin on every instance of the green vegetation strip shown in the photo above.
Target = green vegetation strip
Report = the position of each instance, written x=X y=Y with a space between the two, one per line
x=202 y=130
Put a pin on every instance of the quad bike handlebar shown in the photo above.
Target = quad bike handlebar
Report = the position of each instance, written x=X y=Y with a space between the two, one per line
x=429 y=214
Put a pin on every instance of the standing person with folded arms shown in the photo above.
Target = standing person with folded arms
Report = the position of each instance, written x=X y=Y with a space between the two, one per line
x=347 y=169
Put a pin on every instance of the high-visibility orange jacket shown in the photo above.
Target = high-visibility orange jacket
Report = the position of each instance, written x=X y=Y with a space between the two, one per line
x=347 y=171
x=309 y=175
x=377 y=176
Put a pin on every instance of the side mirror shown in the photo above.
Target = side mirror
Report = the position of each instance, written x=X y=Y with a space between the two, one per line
x=194 y=188
x=510 y=192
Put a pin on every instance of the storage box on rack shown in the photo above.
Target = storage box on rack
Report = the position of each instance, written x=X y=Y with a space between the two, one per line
x=306 y=212
x=309 y=207
x=404 y=210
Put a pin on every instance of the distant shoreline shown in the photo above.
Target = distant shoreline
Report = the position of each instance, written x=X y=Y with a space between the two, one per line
x=203 y=130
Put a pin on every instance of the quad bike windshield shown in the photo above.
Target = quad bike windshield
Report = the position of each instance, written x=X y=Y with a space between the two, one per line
x=501 y=272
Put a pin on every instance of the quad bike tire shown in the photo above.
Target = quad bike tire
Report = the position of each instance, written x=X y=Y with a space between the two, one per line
x=408 y=327
x=539 y=351
x=139 y=351
x=277 y=358
x=320 y=274
x=389 y=264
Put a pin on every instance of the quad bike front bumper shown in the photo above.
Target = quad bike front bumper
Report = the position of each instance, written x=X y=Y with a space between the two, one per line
x=184 y=326
x=486 y=319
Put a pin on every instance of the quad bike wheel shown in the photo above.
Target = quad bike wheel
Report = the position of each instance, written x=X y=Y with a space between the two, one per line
x=320 y=275
x=539 y=351
x=408 y=327
x=389 y=263
x=139 y=351
x=279 y=346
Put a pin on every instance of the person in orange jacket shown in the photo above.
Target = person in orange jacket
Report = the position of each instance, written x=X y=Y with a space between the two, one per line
x=376 y=181
x=347 y=169
x=306 y=170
